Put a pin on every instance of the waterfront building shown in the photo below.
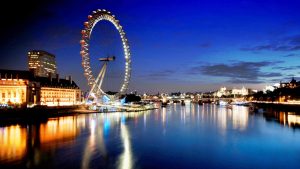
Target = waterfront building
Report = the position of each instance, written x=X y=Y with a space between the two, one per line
x=41 y=63
x=269 y=88
x=22 y=88
x=292 y=84
x=59 y=92
x=243 y=91
x=17 y=88
x=224 y=92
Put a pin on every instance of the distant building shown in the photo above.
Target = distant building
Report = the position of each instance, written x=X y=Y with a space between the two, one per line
x=41 y=63
x=22 y=88
x=234 y=92
x=269 y=89
x=292 y=84
x=222 y=92
x=243 y=91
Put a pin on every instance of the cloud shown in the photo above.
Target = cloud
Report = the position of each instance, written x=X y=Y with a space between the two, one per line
x=294 y=39
x=291 y=55
x=237 y=72
x=239 y=81
x=288 y=79
x=286 y=68
x=291 y=43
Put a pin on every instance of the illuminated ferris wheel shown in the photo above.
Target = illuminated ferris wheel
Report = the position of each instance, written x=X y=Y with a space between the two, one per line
x=95 y=83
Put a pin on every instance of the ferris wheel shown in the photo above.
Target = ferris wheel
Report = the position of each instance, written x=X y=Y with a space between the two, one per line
x=95 y=83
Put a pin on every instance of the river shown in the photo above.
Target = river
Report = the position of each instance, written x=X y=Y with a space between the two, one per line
x=190 y=136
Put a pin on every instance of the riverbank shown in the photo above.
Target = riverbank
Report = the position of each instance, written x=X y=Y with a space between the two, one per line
x=278 y=106
x=38 y=114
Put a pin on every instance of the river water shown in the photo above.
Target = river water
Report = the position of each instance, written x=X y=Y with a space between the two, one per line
x=190 y=136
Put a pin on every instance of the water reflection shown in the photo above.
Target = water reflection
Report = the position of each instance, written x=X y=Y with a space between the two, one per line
x=36 y=144
x=293 y=120
x=59 y=129
x=290 y=119
x=221 y=117
x=240 y=117
x=225 y=118
x=125 y=159
x=94 y=143
x=12 y=143
x=117 y=140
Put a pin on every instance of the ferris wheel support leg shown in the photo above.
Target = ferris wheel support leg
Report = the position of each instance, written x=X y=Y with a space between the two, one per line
x=102 y=77
x=96 y=85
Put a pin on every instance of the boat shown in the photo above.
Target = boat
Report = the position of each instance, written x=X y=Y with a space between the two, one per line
x=241 y=103
x=223 y=103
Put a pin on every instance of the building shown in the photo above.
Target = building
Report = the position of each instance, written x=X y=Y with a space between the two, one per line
x=59 y=92
x=41 y=63
x=13 y=87
x=292 y=84
x=223 y=92
x=22 y=88
x=243 y=91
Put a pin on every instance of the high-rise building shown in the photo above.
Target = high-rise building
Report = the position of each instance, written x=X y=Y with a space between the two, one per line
x=41 y=63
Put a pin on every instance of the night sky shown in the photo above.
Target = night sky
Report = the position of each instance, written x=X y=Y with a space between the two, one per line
x=176 y=45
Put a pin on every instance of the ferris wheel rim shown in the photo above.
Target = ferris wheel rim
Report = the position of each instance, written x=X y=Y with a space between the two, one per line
x=93 y=19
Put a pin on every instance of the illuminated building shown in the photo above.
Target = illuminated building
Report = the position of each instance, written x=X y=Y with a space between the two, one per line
x=292 y=84
x=269 y=88
x=16 y=87
x=59 y=92
x=222 y=91
x=243 y=91
x=21 y=88
x=41 y=63
x=235 y=92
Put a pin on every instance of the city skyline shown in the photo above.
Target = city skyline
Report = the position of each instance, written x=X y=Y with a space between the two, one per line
x=196 y=46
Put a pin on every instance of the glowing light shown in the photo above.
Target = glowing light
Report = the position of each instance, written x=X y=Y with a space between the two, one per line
x=60 y=96
x=12 y=143
x=58 y=129
x=98 y=16
x=293 y=119
x=106 y=125
x=126 y=156
x=13 y=91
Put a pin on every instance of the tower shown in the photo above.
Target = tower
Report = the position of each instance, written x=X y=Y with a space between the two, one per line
x=41 y=63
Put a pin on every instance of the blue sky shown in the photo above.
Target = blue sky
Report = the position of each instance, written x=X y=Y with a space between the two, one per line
x=176 y=45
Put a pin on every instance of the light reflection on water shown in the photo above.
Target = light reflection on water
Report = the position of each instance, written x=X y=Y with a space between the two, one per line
x=12 y=142
x=125 y=159
x=110 y=140
x=290 y=119
x=58 y=129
